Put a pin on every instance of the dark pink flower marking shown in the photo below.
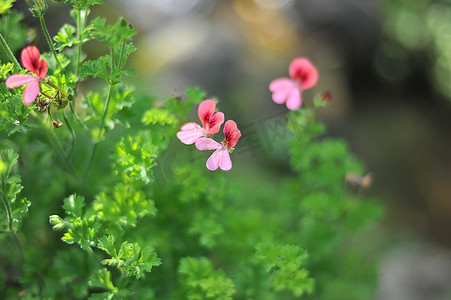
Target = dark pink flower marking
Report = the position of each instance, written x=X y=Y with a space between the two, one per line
x=211 y=123
x=303 y=76
x=32 y=61
x=221 y=157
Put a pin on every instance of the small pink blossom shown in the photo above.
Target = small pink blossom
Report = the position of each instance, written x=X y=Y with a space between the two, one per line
x=221 y=157
x=211 y=123
x=285 y=90
x=32 y=61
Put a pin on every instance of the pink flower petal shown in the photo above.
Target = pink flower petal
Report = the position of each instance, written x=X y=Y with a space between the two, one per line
x=213 y=160
x=190 y=126
x=225 y=163
x=280 y=96
x=189 y=137
x=190 y=133
x=30 y=58
x=294 y=100
x=215 y=123
x=42 y=69
x=207 y=144
x=32 y=61
x=232 y=133
x=205 y=111
x=17 y=80
x=302 y=70
x=280 y=84
x=30 y=92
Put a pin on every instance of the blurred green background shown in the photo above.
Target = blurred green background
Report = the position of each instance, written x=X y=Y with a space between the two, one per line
x=387 y=64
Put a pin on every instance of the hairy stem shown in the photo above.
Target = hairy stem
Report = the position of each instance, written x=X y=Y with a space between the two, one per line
x=9 y=53
x=49 y=40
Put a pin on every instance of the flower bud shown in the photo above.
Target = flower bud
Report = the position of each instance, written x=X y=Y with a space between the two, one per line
x=57 y=222
x=322 y=100
x=37 y=7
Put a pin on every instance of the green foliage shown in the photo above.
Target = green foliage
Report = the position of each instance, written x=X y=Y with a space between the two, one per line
x=65 y=37
x=286 y=262
x=132 y=260
x=5 y=5
x=202 y=281
x=113 y=35
x=15 y=207
x=135 y=157
x=111 y=66
x=13 y=32
x=13 y=114
x=124 y=206
x=81 y=4
x=135 y=216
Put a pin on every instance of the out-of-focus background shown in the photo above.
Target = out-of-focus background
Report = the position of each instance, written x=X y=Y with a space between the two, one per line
x=387 y=64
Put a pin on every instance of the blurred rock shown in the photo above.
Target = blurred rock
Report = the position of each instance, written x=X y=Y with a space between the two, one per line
x=415 y=272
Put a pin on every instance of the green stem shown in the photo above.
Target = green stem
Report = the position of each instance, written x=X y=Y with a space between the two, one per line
x=5 y=18
x=121 y=55
x=71 y=105
x=9 y=215
x=59 y=89
x=49 y=40
x=57 y=145
x=99 y=136
x=72 y=132
x=79 y=44
x=8 y=209
x=9 y=53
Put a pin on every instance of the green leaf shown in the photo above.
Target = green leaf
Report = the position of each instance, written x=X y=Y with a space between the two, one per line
x=5 y=5
x=286 y=264
x=66 y=37
x=106 y=243
x=207 y=227
x=81 y=4
x=100 y=67
x=73 y=205
x=123 y=206
x=132 y=260
x=115 y=34
x=5 y=69
x=13 y=31
x=159 y=116
x=181 y=107
x=201 y=281
x=102 y=279
x=135 y=156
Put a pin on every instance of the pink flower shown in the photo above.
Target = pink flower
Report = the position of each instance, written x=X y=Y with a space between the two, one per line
x=211 y=123
x=32 y=61
x=221 y=157
x=303 y=76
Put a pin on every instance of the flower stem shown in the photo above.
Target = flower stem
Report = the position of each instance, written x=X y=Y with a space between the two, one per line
x=79 y=44
x=9 y=215
x=57 y=145
x=71 y=105
x=101 y=132
x=9 y=53
x=49 y=40
x=59 y=89
x=72 y=132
